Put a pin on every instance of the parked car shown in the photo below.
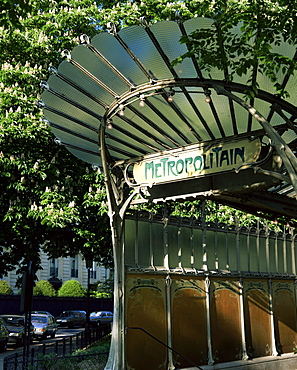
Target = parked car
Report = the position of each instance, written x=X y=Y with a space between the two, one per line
x=15 y=324
x=44 y=325
x=100 y=317
x=41 y=313
x=3 y=336
x=72 y=318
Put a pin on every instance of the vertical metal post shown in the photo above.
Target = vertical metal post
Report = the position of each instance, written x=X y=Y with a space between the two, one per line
x=242 y=321
x=170 y=365
x=208 y=327
x=273 y=339
x=204 y=251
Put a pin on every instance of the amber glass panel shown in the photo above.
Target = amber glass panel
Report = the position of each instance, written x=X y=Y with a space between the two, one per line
x=257 y=318
x=225 y=320
x=284 y=309
x=146 y=309
x=189 y=336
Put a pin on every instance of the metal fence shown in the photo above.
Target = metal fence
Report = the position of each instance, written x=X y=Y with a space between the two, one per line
x=57 y=354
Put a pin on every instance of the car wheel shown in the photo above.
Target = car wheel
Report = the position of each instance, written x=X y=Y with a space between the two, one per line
x=53 y=334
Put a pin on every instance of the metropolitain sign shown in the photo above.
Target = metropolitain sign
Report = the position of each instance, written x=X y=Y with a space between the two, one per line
x=195 y=161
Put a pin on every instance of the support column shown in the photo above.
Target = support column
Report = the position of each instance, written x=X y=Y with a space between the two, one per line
x=241 y=307
x=170 y=365
x=209 y=346
x=273 y=340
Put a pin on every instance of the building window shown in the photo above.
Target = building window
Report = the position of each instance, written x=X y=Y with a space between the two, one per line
x=93 y=272
x=53 y=267
x=74 y=269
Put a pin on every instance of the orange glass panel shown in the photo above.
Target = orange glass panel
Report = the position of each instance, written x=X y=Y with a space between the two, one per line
x=257 y=318
x=146 y=309
x=225 y=320
x=189 y=335
x=284 y=308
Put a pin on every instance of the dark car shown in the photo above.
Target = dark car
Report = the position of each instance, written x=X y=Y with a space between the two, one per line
x=100 y=317
x=44 y=325
x=3 y=336
x=15 y=324
x=72 y=318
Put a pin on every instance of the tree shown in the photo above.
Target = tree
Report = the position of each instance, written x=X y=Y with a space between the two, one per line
x=49 y=198
x=44 y=288
x=5 y=288
x=71 y=288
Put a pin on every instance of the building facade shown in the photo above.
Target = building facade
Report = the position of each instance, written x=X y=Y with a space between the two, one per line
x=59 y=270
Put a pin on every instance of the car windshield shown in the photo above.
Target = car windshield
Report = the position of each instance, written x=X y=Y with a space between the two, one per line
x=13 y=321
x=95 y=314
x=66 y=313
x=39 y=319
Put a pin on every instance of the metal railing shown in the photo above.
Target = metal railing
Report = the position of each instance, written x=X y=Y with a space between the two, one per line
x=52 y=350
x=165 y=345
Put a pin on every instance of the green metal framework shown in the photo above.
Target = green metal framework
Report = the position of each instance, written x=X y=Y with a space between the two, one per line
x=117 y=99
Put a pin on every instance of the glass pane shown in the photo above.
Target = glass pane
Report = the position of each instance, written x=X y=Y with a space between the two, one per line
x=129 y=240
x=110 y=48
x=173 y=246
x=144 y=257
x=244 y=257
x=262 y=254
x=158 y=244
x=186 y=249
x=253 y=253
x=280 y=256
x=272 y=255
x=232 y=253
x=197 y=246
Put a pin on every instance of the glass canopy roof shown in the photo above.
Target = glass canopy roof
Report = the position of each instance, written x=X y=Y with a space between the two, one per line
x=126 y=83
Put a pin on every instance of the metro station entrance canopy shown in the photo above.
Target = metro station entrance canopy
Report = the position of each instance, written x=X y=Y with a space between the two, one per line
x=172 y=132
x=124 y=84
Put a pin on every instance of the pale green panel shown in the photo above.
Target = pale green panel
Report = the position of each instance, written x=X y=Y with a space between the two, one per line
x=232 y=255
x=289 y=257
x=253 y=254
x=197 y=244
x=158 y=244
x=109 y=46
x=173 y=247
x=211 y=249
x=222 y=250
x=272 y=256
x=241 y=115
x=130 y=235
x=243 y=252
x=280 y=257
x=143 y=47
x=144 y=243
x=186 y=250
x=262 y=255
x=168 y=35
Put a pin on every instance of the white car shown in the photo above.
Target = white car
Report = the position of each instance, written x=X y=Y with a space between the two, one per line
x=100 y=317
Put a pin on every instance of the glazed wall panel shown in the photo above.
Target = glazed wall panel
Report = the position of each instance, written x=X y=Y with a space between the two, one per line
x=225 y=320
x=146 y=308
x=189 y=335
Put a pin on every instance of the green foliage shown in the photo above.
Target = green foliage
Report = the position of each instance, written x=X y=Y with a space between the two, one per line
x=5 y=288
x=104 y=289
x=262 y=24
x=71 y=288
x=48 y=197
x=44 y=288
x=102 y=346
